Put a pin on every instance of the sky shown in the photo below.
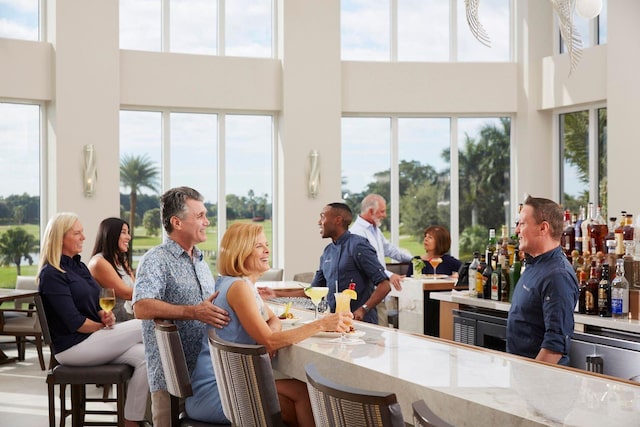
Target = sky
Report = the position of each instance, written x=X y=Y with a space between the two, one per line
x=423 y=35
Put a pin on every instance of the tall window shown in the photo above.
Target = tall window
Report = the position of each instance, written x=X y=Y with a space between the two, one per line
x=592 y=31
x=19 y=190
x=422 y=30
x=198 y=26
x=449 y=171
x=19 y=19
x=168 y=149
x=583 y=145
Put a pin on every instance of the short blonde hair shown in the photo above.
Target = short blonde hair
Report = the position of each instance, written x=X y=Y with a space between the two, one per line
x=51 y=248
x=236 y=246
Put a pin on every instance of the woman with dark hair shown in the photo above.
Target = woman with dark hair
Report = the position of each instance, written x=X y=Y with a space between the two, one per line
x=437 y=242
x=109 y=264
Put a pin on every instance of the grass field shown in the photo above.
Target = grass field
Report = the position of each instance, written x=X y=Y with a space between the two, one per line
x=143 y=242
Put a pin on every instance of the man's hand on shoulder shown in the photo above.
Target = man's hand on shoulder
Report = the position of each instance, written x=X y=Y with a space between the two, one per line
x=211 y=314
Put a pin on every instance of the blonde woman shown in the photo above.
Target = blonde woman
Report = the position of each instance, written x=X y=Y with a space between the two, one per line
x=244 y=257
x=76 y=322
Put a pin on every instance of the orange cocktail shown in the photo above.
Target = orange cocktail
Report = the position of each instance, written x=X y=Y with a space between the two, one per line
x=435 y=262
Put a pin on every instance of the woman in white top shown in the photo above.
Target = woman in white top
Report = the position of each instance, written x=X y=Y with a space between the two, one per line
x=109 y=264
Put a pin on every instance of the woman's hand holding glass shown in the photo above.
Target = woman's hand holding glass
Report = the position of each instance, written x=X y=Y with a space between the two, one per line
x=107 y=302
x=336 y=322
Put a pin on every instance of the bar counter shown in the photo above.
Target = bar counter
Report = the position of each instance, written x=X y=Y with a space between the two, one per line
x=465 y=385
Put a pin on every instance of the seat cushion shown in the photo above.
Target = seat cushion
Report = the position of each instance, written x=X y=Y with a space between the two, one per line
x=103 y=374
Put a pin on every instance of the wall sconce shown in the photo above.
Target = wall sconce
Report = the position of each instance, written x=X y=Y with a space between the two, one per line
x=314 y=174
x=90 y=172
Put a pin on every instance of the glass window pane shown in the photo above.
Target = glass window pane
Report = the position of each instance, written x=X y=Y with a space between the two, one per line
x=484 y=180
x=494 y=15
x=193 y=26
x=425 y=196
x=194 y=163
x=19 y=185
x=365 y=30
x=19 y=19
x=423 y=30
x=248 y=166
x=574 y=137
x=248 y=25
x=140 y=168
x=602 y=24
x=602 y=157
x=140 y=25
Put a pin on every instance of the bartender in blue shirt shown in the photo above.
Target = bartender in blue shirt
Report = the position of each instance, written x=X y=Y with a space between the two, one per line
x=540 y=323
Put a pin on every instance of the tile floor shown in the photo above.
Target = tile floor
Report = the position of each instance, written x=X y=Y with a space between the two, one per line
x=23 y=391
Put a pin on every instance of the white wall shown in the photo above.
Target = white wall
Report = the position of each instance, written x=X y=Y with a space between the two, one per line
x=87 y=79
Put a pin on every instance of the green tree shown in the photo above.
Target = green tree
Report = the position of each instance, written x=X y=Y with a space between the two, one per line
x=16 y=244
x=151 y=221
x=136 y=173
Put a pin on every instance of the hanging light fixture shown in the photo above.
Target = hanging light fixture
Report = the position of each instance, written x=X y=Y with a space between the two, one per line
x=588 y=9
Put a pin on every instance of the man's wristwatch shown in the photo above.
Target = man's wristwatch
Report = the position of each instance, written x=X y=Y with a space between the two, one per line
x=365 y=307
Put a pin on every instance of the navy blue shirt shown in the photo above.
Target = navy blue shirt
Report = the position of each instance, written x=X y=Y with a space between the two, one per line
x=350 y=259
x=69 y=299
x=541 y=314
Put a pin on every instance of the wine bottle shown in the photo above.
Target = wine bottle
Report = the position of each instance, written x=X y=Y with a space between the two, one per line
x=578 y=230
x=586 y=240
x=568 y=238
x=514 y=273
x=496 y=283
x=604 y=293
x=591 y=293
x=582 y=304
x=480 y=277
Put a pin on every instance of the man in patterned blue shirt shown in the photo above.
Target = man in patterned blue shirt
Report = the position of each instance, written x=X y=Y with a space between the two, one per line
x=173 y=282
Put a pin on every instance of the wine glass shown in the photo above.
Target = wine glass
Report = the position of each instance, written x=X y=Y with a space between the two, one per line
x=343 y=305
x=435 y=262
x=107 y=301
x=316 y=293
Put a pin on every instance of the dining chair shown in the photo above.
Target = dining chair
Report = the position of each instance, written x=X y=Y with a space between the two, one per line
x=77 y=377
x=272 y=275
x=22 y=323
x=246 y=383
x=176 y=373
x=339 y=405
x=306 y=277
x=423 y=416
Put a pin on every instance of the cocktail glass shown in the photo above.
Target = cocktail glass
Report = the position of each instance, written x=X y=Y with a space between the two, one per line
x=435 y=262
x=343 y=305
x=316 y=293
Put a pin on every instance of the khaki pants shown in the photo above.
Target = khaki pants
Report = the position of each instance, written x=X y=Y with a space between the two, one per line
x=383 y=318
x=161 y=408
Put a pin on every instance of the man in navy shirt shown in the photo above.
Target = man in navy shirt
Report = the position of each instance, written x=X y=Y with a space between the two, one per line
x=540 y=323
x=350 y=258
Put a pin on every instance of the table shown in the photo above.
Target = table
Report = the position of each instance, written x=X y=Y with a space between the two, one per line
x=10 y=295
x=283 y=285
x=417 y=312
x=465 y=385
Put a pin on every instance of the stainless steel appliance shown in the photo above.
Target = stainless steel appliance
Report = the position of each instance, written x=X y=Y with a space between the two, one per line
x=484 y=328
x=607 y=351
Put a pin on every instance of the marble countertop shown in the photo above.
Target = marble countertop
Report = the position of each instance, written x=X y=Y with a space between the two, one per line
x=466 y=385
x=461 y=297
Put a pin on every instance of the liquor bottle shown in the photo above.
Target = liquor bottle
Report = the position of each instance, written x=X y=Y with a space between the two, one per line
x=619 y=234
x=582 y=305
x=490 y=250
x=620 y=293
x=611 y=235
x=586 y=241
x=604 y=293
x=480 y=277
x=628 y=236
x=568 y=239
x=611 y=258
x=486 y=280
x=578 y=230
x=503 y=249
x=496 y=283
x=597 y=231
x=473 y=273
x=514 y=273
x=591 y=293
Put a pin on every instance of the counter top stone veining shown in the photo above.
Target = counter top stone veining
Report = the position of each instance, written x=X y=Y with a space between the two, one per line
x=465 y=385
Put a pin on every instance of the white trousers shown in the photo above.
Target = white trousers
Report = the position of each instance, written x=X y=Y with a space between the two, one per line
x=122 y=344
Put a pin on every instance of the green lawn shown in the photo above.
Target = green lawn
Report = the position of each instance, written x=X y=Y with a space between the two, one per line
x=143 y=242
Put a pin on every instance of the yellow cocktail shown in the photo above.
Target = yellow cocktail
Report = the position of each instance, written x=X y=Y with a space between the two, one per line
x=316 y=293
x=343 y=302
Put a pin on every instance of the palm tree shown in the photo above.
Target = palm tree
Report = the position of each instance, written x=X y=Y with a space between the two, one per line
x=136 y=173
x=15 y=244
